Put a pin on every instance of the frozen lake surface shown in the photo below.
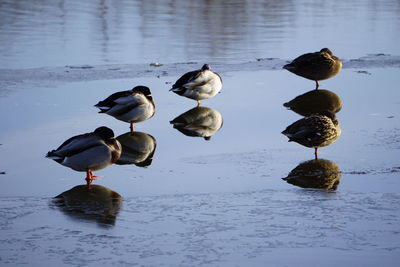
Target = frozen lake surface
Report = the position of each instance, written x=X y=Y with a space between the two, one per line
x=228 y=201
x=218 y=202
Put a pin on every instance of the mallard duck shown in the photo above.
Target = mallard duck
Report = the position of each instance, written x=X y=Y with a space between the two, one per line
x=316 y=66
x=88 y=152
x=137 y=148
x=317 y=130
x=199 y=84
x=94 y=202
x=131 y=106
x=315 y=101
x=199 y=122
x=319 y=174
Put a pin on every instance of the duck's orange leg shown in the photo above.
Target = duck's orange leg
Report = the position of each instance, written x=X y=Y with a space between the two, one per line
x=90 y=177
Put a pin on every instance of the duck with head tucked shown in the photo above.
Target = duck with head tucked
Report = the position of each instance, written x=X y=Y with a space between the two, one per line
x=317 y=130
x=316 y=66
x=88 y=152
x=199 y=84
x=131 y=106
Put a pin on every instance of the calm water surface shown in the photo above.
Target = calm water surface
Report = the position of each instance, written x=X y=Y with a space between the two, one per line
x=56 y=33
x=220 y=202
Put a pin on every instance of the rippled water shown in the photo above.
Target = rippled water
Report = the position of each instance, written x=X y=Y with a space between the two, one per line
x=234 y=200
x=57 y=33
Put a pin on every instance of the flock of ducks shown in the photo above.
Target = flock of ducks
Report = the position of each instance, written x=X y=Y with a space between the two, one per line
x=94 y=151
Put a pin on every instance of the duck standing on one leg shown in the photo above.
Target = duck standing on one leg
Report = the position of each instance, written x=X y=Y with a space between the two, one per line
x=316 y=66
x=315 y=131
x=131 y=106
x=199 y=84
x=88 y=152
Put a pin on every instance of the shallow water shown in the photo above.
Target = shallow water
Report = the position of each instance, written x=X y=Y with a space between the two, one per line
x=220 y=202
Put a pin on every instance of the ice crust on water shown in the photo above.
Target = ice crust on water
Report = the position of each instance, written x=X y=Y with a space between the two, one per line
x=10 y=78
x=207 y=229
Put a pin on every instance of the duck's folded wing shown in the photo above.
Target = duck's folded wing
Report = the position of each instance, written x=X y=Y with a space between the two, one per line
x=112 y=99
x=186 y=78
x=200 y=80
x=76 y=145
x=306 y=135
x=313 y=59
x=118 y=109
x=130 y=99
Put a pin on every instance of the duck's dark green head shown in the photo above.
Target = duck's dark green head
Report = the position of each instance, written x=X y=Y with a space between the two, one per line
x=206 y=67
x=104 y=132
x=142 y=89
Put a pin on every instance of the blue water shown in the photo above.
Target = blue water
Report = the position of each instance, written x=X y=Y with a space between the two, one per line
x=58 y=33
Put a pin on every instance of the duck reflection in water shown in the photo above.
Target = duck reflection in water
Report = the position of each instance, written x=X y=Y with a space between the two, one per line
x=315 y=101
x=319 y=174
x=94 y=203
x=199 y=122
x=317 y=130
x=137 y=148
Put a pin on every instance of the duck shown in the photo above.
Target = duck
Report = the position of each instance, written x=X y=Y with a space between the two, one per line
x=199 y=84
x=314 y=131
x=315 y=101
x=88 y=152
x=132 y=106
x=316 y=66
x=199 y=122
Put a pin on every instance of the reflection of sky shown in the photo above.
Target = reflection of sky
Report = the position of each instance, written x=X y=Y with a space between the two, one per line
x=247 y=153
x=41 y=33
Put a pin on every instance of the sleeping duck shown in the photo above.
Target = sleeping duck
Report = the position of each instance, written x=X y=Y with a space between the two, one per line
x=316 y=66
x=131 y=106
x=315 y=131
x=88 y=152
x=199 y=84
